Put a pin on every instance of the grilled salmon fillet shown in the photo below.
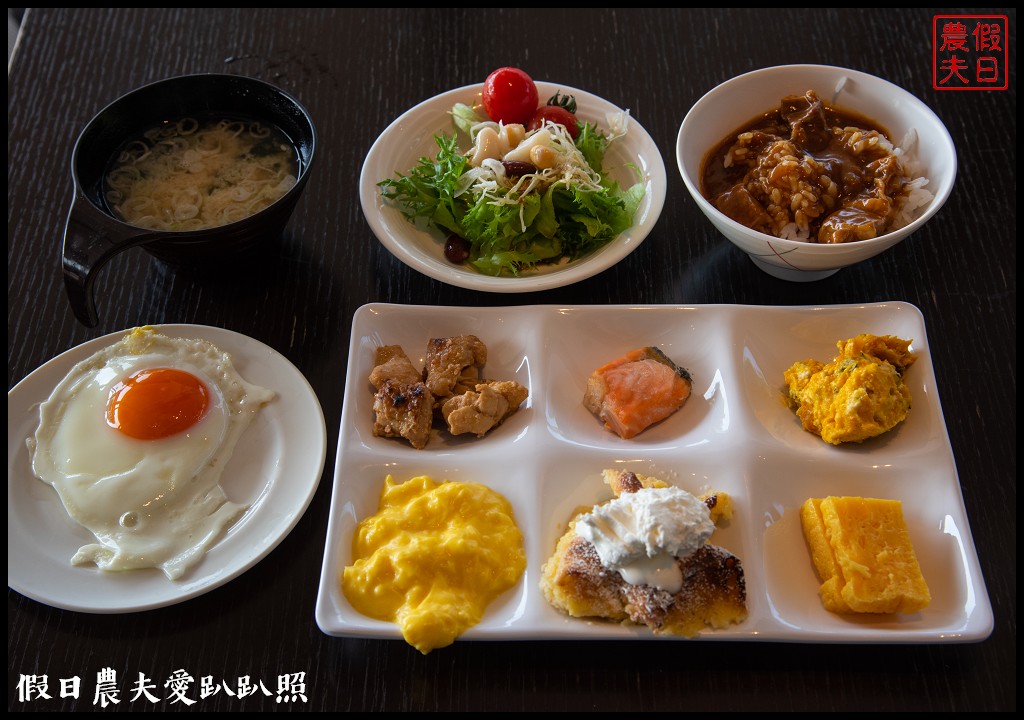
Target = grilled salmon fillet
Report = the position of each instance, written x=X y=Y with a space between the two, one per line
x=637 y=390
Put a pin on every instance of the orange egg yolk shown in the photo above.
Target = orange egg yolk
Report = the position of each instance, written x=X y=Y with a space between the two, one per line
x=158 y=403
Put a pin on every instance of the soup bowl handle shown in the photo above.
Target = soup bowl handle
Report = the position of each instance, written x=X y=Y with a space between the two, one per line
x=91 y=239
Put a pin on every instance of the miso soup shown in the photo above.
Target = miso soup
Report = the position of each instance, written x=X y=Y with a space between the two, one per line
x=198 y=173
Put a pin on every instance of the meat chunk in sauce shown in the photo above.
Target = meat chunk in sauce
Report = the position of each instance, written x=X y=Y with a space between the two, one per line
x=808 y=172
x=806 y=116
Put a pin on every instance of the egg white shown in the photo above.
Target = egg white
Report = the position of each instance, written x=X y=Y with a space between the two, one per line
x=149 y=503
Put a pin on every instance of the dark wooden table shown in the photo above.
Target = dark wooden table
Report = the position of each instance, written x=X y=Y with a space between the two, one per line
x=358 y=70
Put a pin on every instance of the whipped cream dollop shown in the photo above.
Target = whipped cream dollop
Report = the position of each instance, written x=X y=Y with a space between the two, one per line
x=640 y=534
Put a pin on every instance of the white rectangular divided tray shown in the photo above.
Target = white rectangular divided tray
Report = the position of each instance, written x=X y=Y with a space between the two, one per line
x=735 y=434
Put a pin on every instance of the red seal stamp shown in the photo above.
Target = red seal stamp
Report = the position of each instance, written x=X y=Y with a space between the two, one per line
x=969 y=52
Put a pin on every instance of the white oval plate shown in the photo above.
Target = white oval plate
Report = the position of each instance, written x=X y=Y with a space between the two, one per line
x=411 y=137
x=275 y=470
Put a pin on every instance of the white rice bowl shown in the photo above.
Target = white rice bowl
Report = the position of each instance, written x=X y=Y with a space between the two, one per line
x=733 y=103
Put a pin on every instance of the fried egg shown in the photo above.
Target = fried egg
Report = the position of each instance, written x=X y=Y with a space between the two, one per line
x=134 y=440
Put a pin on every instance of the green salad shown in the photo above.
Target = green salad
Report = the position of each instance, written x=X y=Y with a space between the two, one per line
x=517 y=199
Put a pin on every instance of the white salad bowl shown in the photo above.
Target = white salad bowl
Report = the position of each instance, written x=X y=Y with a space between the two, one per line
x=411 y=136
x=736 y=102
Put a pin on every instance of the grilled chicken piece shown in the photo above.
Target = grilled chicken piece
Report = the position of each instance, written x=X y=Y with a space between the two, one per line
x=467 y=382
x=485 y=408
x=403 y=410
x=634 y=391
x=391 y=363
x=453 y=361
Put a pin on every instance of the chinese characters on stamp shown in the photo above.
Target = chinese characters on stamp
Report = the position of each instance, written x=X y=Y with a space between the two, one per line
x=969 y=52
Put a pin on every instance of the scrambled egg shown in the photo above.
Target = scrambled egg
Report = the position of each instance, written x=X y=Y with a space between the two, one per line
x=859 y=395
x=433 y=558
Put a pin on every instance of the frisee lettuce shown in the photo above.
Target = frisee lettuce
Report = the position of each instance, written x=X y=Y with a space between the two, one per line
x=513 y=233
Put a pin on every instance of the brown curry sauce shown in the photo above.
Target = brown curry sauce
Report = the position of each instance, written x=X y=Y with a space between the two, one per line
x=830 y=171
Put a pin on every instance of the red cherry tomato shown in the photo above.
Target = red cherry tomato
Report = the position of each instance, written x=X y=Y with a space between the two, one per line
x=555 y=114
x=510 y=96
